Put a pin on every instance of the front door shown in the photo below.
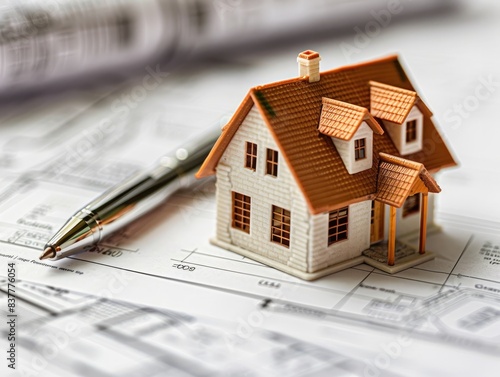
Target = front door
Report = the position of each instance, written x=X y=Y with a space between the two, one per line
x=377 y=222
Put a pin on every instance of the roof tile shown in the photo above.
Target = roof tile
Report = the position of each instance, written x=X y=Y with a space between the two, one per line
x=390 y=103
x=341 y=120
x=399 y=178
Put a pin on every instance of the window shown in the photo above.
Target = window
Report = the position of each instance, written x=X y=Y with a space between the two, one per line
x=272 y=162
x=359 y=149
x=241 y=212
x=411 y=131
x=280 y=226
x=411 y=205
x=251 y=156
x=337 y=225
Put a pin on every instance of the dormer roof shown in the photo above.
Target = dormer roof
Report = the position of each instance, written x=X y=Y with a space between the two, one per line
x=392 y=103
x=341 y=120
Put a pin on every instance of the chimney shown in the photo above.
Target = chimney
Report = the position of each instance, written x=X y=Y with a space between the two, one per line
x=309 y=65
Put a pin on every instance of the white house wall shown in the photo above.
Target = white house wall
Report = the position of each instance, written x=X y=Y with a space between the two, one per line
x=397 y=132
x=346 y=150
x=264 y=191
x=358 y=238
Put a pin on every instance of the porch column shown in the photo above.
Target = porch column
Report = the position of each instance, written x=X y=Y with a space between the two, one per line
x=391 y=242
x=423 y=223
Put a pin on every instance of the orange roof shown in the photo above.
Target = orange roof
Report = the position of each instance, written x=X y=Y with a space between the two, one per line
x=399 y=178
x=341 y=120
x=390 y=103
x=292 y=110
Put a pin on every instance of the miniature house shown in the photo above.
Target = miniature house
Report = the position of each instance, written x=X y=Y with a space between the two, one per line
x=323 y=172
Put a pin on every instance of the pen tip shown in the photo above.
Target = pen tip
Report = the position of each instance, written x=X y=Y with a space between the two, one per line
x=48 y=253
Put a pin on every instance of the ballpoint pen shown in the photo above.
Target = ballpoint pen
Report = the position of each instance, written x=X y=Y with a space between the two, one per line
x=131 y=199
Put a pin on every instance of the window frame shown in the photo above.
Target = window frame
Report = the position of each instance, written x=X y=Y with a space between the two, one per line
x=360 y=147
x=272 y=157
x=411 y=130
x=281 y=226
x=337 y=221
x=241 y=211
x=251 y=155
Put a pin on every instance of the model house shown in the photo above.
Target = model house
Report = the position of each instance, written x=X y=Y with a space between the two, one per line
x=323 y=172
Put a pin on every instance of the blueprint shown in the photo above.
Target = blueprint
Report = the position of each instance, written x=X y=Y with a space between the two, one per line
x=71 y=334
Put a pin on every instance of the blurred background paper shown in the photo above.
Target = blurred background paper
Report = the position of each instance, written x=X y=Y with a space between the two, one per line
x=52 y=41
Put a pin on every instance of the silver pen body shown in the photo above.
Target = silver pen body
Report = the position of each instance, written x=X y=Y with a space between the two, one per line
x=131 y=199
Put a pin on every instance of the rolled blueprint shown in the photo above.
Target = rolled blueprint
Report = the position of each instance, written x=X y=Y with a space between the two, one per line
x=44 y=41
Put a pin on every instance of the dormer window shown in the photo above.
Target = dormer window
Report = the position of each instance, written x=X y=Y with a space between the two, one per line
x=411 y=130
x=360 y=149
x=407 y=136
x=351 y=129
x=402 y=113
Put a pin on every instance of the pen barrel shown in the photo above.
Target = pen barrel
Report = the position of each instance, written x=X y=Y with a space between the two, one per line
x=140 y=194
x=109 y=212
x=133 y=198
x=149 y=194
